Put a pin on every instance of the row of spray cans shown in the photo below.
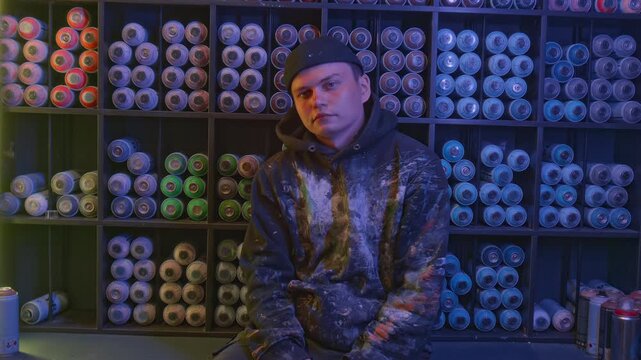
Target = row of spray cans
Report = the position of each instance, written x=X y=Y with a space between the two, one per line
x=496 y=87
x=400 y=82
x=599 y=6
x=80 y=41
x=560 y=178
x=76 y=192
x=611 y=89
x=141 y=291
x=496 y=185
x=140 y=165
x=245 y=61
x=63 y=60
x=236 y=177
x=232 y=288
x=496 y=4
x=607 y=321
x=135 y=45
x=498 y=267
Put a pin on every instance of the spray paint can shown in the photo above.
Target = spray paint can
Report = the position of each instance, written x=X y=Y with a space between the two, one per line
x=88 y=61
x=35 y=51
x=199 y=100
x=61 y=96
x=146 y=54
x=195 y=78
x=78 y=18
x=36 y=95
x=605 y=329
x=9 y=50
x=199 y=55
x=37 y=310
x=134 y=34
x=8 y=72
x=67 y=39
x=89 y=97
x=62 y=60
x=195 y=32
x=76 y=79
x=8 y=26
x=582 y=317
x=594 y=316
x=626 y=331
x=89 y=38
x=31 y=73
x=12 y=94
x=9 y=310
x=30 y=28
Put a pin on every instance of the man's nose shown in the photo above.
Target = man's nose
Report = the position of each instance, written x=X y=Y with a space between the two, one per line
x=319 y=97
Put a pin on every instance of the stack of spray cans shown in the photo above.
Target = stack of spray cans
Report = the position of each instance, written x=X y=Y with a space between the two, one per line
x=497 y=186
x=612 y=88
x=496 y=4
x=558 y=194
x=30 y=72
x=189 y=287
x=131 y=256
x=498 y=304
x=286 y=37
x=401 y=81
x=606 y=196
x=76 y=38
x=253 y=58
x=560 y=178
x=600 y=6
x=456 y=283
x=120 y=184
x=513 y=89
x=491 y=305
x=607 y=321
x=194 y=186
x=448 y=63
x=196 y=76
x=142 y=76
x=549 y=312
x=564 y=84
x=232 y=288
x=28 y=192
x=77 y=193
x=464 y=192
x=384 y=2
x=229 y=187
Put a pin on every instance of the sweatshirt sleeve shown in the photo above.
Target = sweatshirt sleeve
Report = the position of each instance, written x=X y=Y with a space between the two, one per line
x=274 y=333
x=403 y=324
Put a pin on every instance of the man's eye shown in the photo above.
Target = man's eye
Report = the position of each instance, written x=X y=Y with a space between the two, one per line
x=305 y=94
x=331 y=84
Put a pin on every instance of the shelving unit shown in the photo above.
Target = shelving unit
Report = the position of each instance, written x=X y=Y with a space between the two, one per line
x=38 y=255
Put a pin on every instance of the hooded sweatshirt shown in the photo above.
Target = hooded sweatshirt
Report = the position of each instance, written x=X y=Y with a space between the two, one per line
x=346 y=247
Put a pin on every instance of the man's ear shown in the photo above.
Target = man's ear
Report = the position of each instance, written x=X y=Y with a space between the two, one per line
x=366 y=90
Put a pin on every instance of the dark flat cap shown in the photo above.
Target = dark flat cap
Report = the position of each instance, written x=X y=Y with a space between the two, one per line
x=316 y=52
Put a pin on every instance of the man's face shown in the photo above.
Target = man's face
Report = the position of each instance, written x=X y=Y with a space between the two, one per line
x=329 y=100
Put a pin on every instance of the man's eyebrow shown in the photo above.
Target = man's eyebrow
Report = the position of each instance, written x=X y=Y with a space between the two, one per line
x=301 y=88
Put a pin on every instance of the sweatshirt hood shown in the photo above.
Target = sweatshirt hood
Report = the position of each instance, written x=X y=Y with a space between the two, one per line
x=378 y=123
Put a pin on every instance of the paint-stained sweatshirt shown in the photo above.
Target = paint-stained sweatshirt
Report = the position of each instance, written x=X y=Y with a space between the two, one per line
x=346 y=248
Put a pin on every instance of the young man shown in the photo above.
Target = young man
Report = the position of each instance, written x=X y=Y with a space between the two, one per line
x=345 y=249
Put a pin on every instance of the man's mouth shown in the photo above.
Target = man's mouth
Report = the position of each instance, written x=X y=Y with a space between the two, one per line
x=321 y=117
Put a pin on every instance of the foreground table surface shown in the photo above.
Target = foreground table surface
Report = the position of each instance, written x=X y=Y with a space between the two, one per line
x=57 y=346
